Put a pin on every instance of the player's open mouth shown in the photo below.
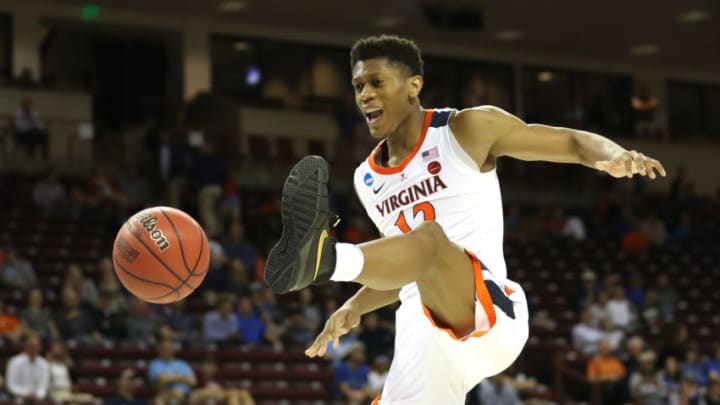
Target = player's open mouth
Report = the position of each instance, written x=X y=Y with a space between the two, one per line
x=373 y=116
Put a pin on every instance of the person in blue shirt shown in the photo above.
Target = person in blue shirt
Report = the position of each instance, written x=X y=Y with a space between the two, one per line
x=252 y=328
x=713 y=366
x=351 y=376
x=172 y=378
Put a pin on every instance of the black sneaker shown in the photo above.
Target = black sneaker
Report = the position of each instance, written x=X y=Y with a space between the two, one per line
x=305 y=254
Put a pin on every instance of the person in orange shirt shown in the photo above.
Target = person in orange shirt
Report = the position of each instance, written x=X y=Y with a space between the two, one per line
x=9 y=325
x=608 y=370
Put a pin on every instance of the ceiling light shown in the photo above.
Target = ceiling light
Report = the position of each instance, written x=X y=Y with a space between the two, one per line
x=545 y=77
x=388 y=22
x=644 y=49
x=509 y=35
x=229 y=6
x=693 y=16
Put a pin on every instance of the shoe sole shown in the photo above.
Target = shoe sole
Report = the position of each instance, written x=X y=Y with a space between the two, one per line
x=292 y=261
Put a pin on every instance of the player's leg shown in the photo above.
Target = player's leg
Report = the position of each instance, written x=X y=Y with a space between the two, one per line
x=306 y=255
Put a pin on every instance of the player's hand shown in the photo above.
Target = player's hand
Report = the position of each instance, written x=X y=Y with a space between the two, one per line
x=630 y=163
x=339 y=323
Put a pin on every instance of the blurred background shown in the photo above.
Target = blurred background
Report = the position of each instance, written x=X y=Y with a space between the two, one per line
x=107 y=107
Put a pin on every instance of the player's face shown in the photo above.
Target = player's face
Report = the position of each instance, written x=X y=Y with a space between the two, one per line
x=384 y=93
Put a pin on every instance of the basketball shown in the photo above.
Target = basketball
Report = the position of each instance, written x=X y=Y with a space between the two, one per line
x=161 y=255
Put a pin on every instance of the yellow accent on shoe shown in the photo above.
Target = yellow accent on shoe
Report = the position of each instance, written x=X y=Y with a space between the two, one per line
x=321 y=243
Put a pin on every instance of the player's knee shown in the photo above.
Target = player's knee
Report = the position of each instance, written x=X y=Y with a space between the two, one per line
x=432 y=238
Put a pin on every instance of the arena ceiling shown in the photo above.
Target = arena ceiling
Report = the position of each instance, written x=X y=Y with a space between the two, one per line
x=682 y=34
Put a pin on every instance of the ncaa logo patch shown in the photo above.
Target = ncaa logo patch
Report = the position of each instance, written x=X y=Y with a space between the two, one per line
x=368 y=179
x=434 y=167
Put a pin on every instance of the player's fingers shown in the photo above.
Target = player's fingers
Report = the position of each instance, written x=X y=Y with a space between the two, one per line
x=643 y=165
x=659 y=166
x=628 y=168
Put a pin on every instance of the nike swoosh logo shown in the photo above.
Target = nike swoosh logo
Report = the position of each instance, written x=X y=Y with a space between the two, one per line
x=321 y=244
x=377 y=190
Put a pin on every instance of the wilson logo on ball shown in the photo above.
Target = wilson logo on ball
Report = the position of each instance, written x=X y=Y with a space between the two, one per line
x=148 y=221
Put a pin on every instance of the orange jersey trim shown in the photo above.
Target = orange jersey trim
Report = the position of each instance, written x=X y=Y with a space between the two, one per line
x=376 y=401
x=408 y=158
x=482 y=294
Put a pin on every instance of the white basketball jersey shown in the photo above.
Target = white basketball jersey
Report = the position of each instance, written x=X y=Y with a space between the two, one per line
x=436 y=181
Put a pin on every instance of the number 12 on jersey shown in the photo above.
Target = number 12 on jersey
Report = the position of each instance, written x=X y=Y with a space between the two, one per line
x=427 y=209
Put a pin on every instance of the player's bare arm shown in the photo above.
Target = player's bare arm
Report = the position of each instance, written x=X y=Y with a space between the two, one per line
x=487 y=133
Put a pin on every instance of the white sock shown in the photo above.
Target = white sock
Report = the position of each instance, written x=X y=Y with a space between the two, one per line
x=349 y=262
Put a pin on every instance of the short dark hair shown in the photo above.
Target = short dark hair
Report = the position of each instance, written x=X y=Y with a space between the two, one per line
x=394 y=48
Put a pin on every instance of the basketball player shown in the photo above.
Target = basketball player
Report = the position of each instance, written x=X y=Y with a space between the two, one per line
x=431 y=188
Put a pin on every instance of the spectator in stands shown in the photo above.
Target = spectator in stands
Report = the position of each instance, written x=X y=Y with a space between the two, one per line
x=635 y=293
x=272 y=314
x=378 y=374
x=101 y=191
x=208 y=175
x=588 y=289
x=375 y=337
x=713 y=366
x=110 y=286
x=235 y=246
x=16 y=272
x=675 y=342
x=613 y=335
x=620 y=309
x=690 y=393
x=607 y=370
x=585 y=336
x=133 y=187
x=181 y=324
x=29 y=129
x=679 y=183
x=83 y=286
x=670 y=376
x=73 y=322
x=238 y=282
x=667 y=295
x=109 y=317
x=10 y=326
x=172 y=378
x=650 y=311
x=644 y=106
x=634 y=347
x=126 y=385
x=173 y=159
x=351 y=377
x=211 y=391
x=712 y=396
x=50 y=195
x=252 y=328
x=28 y=373
x=37 y=318
x=654 y=229
x=693 y=368
x=645 y=387
x=574 y=228
x=311 y=313
x=295 y=331
x=599 y=309
x=25 y=79
x=60 y=365
x=684 y=230
x=221 y=325
x=498 y=390
x=141 y=323
x=231 y=206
